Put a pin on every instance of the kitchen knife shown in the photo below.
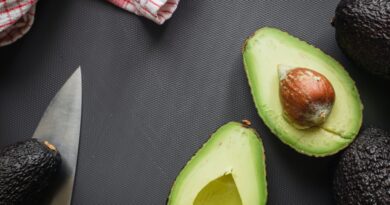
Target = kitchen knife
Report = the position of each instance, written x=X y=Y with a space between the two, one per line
x=60 y=125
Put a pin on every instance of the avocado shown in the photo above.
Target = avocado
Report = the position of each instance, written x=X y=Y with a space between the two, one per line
x=363 y=173
x=268 y=48
x=228 y=170
x=26 y=170
x=363 y=33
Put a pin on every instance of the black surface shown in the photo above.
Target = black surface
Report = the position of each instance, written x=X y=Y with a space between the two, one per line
x=153 y=95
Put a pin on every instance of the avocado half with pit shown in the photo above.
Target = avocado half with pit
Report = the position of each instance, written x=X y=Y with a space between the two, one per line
x=228 y=170
x=269 y=48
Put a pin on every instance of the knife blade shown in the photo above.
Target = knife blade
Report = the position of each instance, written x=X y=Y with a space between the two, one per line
x=60 y=125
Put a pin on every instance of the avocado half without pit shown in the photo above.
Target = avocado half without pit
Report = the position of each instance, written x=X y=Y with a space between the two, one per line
x=27 y=169
x=304 y=96
x=228 y=170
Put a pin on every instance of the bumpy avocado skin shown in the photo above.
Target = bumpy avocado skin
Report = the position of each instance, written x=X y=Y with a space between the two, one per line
x=26 y=170
x=363 y=33
x=363 y=173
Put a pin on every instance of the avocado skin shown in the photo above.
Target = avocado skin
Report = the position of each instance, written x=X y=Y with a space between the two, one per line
x=363 y=34
x=26 y=170
x=363 y=173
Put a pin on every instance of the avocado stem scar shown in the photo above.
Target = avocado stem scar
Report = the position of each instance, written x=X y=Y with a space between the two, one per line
x=246 y=123
x=50 y=146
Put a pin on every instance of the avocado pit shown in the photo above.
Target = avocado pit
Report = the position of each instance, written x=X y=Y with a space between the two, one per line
x=307 y=97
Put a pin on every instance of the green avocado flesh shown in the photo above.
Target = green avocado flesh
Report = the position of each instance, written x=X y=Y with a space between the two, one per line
x=270 y=47
x=228 y=170
x=221 y=191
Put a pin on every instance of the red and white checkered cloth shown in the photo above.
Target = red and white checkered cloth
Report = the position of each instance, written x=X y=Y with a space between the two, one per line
x=156 y=10
x=17 y=16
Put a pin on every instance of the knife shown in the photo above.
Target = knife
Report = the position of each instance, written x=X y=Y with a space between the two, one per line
x=60 y=125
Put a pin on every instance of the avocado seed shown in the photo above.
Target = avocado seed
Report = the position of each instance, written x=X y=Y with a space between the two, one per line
x=307 y=97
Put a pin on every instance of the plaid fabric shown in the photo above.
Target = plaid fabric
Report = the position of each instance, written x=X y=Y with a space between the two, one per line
x=156 y=10
x=16 y=18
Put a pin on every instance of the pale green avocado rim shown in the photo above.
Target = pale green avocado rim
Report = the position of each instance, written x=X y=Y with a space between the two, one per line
x=338 y=68
x=258 y=148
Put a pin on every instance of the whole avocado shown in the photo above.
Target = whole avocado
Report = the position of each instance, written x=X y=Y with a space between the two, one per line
x=363 y=33
x=26 y=169
x=363 y=173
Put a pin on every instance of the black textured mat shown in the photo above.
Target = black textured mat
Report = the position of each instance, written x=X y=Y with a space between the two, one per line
x=153 y=95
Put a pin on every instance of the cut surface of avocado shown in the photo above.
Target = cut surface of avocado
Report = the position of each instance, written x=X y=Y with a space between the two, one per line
x=270 y=47
x=222 y=191
x=228 y=170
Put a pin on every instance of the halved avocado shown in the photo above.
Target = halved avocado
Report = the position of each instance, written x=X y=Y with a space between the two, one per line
x=228 y=170
x=270 y=47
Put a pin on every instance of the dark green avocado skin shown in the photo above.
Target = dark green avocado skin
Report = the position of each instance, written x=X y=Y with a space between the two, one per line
x=363 y=33
x=26 y=170
x=363 y=173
